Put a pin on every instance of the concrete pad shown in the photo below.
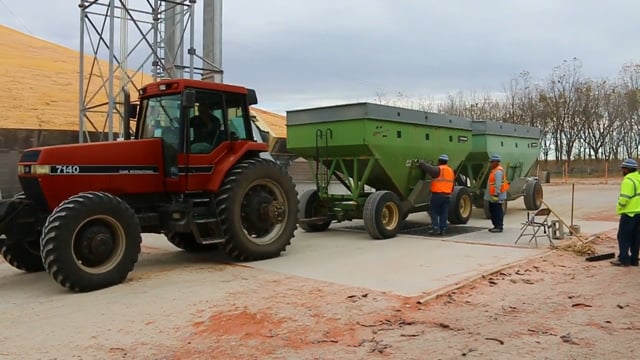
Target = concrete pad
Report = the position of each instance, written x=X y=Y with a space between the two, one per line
x=410 y=265
x=405 y=265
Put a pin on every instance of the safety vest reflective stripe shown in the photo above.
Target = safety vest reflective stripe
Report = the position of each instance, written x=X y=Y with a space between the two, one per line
x=444 y=182
x=635 y=190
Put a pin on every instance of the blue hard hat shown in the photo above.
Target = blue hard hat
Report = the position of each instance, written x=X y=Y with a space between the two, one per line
x=495 y=157
x=443 y=157
x=629 y=164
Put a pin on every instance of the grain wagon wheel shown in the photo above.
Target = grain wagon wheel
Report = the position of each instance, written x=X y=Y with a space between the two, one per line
x=533 y=195
x=382 y=215
x=461 y=206
x=310 y=207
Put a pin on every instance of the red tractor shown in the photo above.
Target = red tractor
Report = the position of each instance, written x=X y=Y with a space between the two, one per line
x=193 y=172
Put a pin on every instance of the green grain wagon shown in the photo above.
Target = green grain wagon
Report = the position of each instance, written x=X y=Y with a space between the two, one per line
x=372 y=150
x=518 y=146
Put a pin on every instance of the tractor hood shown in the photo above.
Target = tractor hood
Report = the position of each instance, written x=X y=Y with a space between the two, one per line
x=87 y=158
x=49 y=175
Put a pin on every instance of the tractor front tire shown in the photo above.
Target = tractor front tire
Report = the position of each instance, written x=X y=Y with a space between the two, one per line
x=382 y=215
x=310 y=207
x=21 y=248
x=90 y=241
x=257 y=208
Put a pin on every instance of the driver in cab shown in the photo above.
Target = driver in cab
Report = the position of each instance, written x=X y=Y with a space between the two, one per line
x=206 y=130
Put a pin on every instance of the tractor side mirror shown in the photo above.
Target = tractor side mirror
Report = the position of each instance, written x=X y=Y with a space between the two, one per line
x=132 y=112
x=189 y=98
x=252 y=98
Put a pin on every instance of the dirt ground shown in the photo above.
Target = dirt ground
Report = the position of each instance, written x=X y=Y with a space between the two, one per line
x=181 y=306
x=551 y=307
x=556 y=306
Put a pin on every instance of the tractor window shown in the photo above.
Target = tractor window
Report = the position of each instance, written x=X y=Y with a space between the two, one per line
x=161 y=119
x=236 y=123
x=236 y=111
x=206 y=123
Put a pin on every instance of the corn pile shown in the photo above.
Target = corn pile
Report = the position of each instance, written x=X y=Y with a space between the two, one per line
x=578 y=248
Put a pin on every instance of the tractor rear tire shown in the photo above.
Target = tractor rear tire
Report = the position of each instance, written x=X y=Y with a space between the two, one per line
x=382 y=214
x=23 y=251
x=257 y=208
x=533 y=195
x=461 y=206
x=485 y=208
x=90 y=241
x=309 y=207
x=187 y=242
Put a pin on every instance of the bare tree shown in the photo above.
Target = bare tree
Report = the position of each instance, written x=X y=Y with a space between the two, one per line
x=630 y=115
x=595 y=112
x=559 y=102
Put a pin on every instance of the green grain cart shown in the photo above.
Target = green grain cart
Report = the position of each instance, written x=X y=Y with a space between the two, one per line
x=372 y=150
x=518 y=146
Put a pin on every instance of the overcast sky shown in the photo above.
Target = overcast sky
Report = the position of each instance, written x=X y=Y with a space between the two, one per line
x=302 y=53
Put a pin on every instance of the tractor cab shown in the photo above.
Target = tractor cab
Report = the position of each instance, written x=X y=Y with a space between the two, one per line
x=194 y=116
x=199 y=122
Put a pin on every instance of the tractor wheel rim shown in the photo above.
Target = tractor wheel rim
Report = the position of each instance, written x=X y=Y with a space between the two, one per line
x=390 y=216
x=263 y=220
x=98 y=244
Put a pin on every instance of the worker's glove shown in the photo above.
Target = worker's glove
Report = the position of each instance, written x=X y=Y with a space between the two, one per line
x=495 y=198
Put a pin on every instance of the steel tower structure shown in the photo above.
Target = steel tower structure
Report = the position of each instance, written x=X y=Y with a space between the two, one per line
x=126 y=43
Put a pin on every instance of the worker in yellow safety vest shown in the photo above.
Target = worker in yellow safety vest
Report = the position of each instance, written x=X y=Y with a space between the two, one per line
x=442 y=182
x=628 y=208
x=496 y=193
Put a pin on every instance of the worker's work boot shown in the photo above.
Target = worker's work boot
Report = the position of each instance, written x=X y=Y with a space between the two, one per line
x=618 y=263
x=495 y=230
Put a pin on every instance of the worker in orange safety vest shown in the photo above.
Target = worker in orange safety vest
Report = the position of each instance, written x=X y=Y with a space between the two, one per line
x=496 y=193
x=442 y=182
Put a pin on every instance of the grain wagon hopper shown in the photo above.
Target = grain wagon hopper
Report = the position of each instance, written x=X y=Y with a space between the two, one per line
x=371 y=150
x=518 y=146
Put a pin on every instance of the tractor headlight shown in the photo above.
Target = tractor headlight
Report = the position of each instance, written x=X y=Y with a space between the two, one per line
x=33 y=169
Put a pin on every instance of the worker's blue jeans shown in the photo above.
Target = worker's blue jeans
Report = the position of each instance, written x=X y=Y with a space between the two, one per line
x=629 y=239
x=497 y=214
x=439 y=211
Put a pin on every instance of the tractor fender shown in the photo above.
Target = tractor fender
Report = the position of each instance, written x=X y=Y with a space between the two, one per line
x=238 y=150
